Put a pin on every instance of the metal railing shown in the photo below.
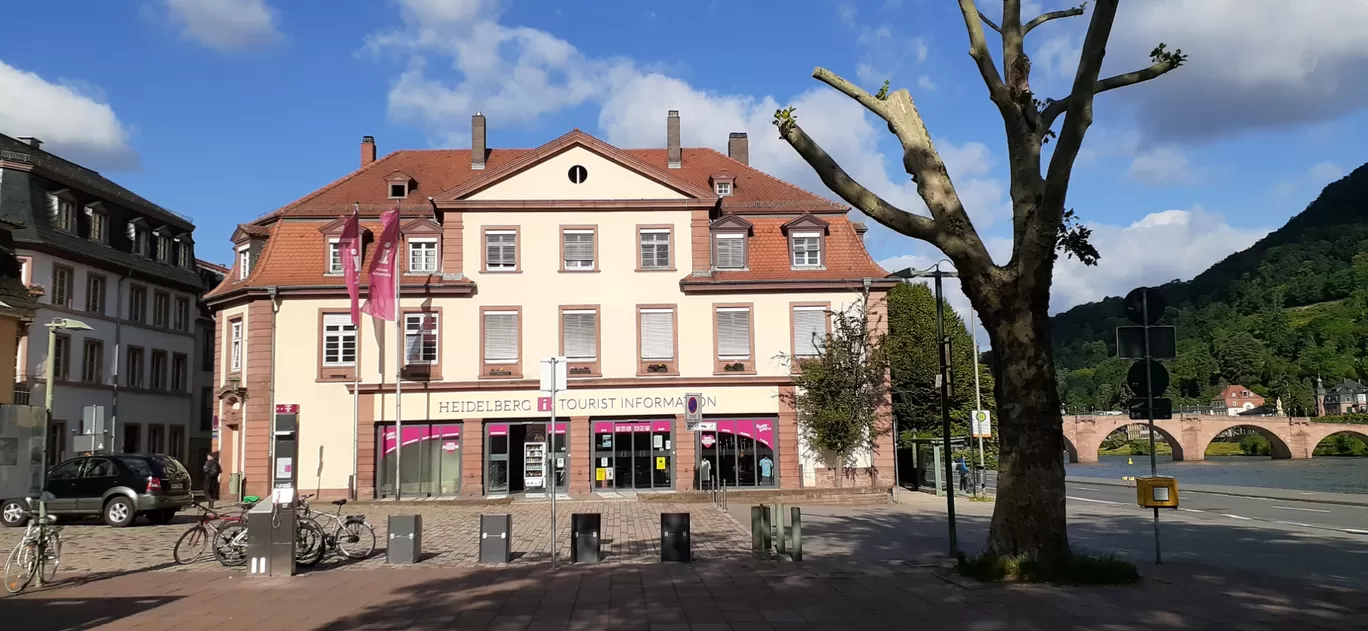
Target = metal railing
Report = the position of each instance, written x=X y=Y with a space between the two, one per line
x=22 y=395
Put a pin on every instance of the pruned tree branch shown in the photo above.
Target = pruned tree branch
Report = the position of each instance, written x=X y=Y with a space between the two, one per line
x=978 y=50
x=1053 y=15
x=1054 y=108
x=989 y=22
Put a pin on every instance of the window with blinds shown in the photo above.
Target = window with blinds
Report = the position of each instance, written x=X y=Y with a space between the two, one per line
x=422 y=256
x=657 y=334
x=501 y=250
x=579 y=249
x=807 y=249
x=420 y=338
x=500 y=337
x=579 y=330
x=339 y=340
x=730 y=251
x=733 y=333
x=655 y=249
x=809 y=329
x=334 y=256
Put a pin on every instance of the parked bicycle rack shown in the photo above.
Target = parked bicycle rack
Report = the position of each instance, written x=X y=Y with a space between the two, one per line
x=769 y=532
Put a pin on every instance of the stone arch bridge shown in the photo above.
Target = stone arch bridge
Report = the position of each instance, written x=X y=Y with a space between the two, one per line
x=1189 y=435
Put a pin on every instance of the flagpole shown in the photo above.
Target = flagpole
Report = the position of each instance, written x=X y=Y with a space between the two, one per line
x=356 y=365
x=398 y=371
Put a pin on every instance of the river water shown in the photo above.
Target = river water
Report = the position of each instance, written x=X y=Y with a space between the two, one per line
x=1329 y=474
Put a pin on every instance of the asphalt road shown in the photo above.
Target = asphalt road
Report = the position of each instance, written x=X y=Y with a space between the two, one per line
x=1274 y=537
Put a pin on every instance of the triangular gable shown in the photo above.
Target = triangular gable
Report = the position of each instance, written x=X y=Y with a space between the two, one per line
x=732 y=223
x=398 y=177
x=247 y=231
x=668 y=184
x=422 y=225
x=335 y=226
x=807 y=222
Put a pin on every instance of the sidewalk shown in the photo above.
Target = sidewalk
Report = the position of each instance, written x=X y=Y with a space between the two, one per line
x=659 y=597
x=1347 y=499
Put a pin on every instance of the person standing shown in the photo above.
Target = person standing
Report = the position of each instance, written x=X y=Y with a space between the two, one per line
x=212 y=470
x=963 y=475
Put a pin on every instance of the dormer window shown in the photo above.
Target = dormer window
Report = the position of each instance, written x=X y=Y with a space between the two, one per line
x=184 y=252
x=723 y=183
x=334 y=255
x=244 y=261
x=729 y=237
x=98 y=221
x=807 y=242
x=399 y=185
x=137 y=236
x=163 y=247
x=63 y=209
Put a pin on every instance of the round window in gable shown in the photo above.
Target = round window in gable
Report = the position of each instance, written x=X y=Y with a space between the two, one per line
x=578 y=174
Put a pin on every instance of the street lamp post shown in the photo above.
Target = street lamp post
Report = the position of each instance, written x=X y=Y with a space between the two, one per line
x=49 y=365
x=944 y=382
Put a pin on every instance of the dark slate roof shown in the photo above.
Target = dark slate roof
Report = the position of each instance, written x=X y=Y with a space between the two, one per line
x=91 y=181
x=1348 y=385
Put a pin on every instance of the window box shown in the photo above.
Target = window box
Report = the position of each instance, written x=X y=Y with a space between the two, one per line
x=734 y=367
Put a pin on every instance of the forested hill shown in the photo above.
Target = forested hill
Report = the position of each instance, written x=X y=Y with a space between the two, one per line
x=1273 y=316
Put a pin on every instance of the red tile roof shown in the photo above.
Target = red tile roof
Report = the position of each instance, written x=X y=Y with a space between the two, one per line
x=294 y=254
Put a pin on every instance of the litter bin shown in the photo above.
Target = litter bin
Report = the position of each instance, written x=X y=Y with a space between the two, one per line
x=496 y=539
x=674 y=538
x=584 y=537
x=405 y=539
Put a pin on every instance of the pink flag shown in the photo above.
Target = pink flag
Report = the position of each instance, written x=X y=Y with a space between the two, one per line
x=380 y=302
x=349 y=247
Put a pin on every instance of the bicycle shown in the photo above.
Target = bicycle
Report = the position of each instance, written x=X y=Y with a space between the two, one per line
x=39 y=550
x=232 y=551
x=346 y=530
x=192 y=543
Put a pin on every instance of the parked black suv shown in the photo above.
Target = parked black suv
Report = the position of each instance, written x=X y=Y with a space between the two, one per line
x=116 y=487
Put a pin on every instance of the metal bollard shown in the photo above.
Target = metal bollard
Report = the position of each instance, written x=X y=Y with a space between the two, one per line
x=760 y=531
x=779 y=532
x=405 y=539
x=584 y=537
x=496 y=538
x=674 y=538
x=796 y=550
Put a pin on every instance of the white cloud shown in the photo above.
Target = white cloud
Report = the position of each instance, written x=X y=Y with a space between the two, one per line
x=1251 y=63
x=1163 y=246
x=226 y=25
x=1161 y=166
x=924 y=82
x=518 y=74
x=1316 y=177
x=71 y=119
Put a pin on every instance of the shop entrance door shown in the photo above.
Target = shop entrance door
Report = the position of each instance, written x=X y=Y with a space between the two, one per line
x=740 y=453
x=431 y=460
x=633 y=455
x=515 y=459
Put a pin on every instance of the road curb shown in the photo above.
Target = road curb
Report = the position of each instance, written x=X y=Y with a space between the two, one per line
x=1337 y=502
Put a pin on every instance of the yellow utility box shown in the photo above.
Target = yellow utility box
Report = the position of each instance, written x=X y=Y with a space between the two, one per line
x=1157 y=492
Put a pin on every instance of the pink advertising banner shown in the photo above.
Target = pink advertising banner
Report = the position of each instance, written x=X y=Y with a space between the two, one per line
x=498 y=430
x=380 y=300
x=610 y=427
x=762 y=430
x=350 y=247
x=445 y=433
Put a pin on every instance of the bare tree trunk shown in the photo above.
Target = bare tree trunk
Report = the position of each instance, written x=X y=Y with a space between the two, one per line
x=1029 y=515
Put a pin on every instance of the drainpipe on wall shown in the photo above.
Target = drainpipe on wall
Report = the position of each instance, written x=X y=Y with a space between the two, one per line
x=118 y=344
x=274 y=294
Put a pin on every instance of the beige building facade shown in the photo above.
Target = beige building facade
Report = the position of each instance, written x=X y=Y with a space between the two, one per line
x=656 y=273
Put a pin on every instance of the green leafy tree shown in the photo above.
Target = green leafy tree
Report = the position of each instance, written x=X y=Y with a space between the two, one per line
x=1241 y=358
x=842 y=395
x=1013 y=298
x=914 y=363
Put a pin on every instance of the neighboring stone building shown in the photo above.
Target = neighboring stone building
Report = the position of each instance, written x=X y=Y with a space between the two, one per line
x=656 y=272
x=202 y=384
x=1348 y=397
x=122 y=265
x=16 y=316
x=1235 y=400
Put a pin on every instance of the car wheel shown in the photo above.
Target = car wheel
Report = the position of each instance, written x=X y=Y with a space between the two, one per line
x=12 y=514
x=161 y=517
x=119 y=512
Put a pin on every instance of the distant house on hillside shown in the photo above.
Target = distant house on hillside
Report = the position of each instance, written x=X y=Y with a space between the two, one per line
x=1235 y=400
x=1346 y=398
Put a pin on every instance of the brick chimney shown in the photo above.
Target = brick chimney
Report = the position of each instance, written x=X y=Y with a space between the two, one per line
x=367 y=150
x=674 y=157
x=478 y=147
x=32 y=142
x=738 y=147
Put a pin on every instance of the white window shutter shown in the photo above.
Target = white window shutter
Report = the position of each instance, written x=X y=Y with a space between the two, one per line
x=733 y=333
x=579 y=250
x=501 y=337
x=731 y=252
x=581 y=335
x=657 y=335
x=809 y=328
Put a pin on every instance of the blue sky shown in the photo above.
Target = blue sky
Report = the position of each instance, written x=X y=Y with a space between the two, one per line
x=227 y=109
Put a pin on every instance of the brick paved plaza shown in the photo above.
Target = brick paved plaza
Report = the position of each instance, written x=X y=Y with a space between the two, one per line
x=631 y=534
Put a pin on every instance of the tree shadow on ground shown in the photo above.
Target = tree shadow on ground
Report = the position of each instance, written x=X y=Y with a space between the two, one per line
x=52 y=614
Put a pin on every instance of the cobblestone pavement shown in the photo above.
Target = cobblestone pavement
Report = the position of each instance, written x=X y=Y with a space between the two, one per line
x=631 y=534
x=717 y=595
